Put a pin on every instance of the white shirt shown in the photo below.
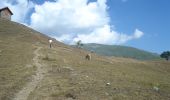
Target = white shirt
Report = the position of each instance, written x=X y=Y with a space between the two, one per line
x=50 y=41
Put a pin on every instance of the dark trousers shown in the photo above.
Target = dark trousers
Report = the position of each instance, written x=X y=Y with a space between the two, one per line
x=50 y=45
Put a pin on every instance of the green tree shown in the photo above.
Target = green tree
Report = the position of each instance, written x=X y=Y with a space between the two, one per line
x=166 y=55
x=79 y=44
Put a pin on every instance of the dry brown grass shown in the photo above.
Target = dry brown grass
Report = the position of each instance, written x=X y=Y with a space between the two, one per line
x=70 y=76
x=16 y=64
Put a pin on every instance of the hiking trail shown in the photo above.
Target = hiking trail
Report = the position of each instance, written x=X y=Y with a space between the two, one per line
x=30 y=86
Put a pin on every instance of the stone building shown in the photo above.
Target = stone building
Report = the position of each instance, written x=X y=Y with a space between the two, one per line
x=6 y=13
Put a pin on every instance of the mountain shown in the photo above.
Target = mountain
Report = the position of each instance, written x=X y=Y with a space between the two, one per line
x=31 y=70
x=120 y=51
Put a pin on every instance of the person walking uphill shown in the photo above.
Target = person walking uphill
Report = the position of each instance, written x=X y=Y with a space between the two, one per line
x=50 y=42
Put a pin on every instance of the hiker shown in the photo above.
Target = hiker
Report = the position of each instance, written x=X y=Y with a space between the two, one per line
x=88 y=57
x=50 y=41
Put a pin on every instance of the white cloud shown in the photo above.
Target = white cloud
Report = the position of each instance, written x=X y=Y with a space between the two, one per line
x=20 y=9
x=138 y=33
x=69 y=16
x=105 y=35
x=67 y=38
x=71 y=20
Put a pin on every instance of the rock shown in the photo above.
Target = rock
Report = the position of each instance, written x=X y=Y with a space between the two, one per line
x=156 y=88
x=106 y=93
x=70 y=95
x=107 y=84
x=69 y=68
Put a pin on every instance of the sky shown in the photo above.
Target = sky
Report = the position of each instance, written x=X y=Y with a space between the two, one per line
x=143 y=24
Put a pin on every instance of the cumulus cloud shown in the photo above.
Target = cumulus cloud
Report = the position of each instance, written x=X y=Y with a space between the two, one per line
x=71 y=20
x=20 y=8
x=69 y=16
x=105 y=35
x=138 y=33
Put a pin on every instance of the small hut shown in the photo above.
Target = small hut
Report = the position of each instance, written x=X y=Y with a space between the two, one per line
x=6 y=13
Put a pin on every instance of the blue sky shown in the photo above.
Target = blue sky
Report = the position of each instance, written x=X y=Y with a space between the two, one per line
x=151 y=16
x=142 y=24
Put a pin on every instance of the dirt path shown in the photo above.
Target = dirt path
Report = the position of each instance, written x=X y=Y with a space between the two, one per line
x=24 y=93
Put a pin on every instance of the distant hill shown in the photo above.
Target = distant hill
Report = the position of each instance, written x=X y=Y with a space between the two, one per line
x=120 y=51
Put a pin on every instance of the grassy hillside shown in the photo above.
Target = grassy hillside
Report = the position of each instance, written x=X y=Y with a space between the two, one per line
x=62 y=73
x=121 y=51
x=17 y=44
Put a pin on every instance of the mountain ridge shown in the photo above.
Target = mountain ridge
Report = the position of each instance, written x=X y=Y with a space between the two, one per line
x=120 y=51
